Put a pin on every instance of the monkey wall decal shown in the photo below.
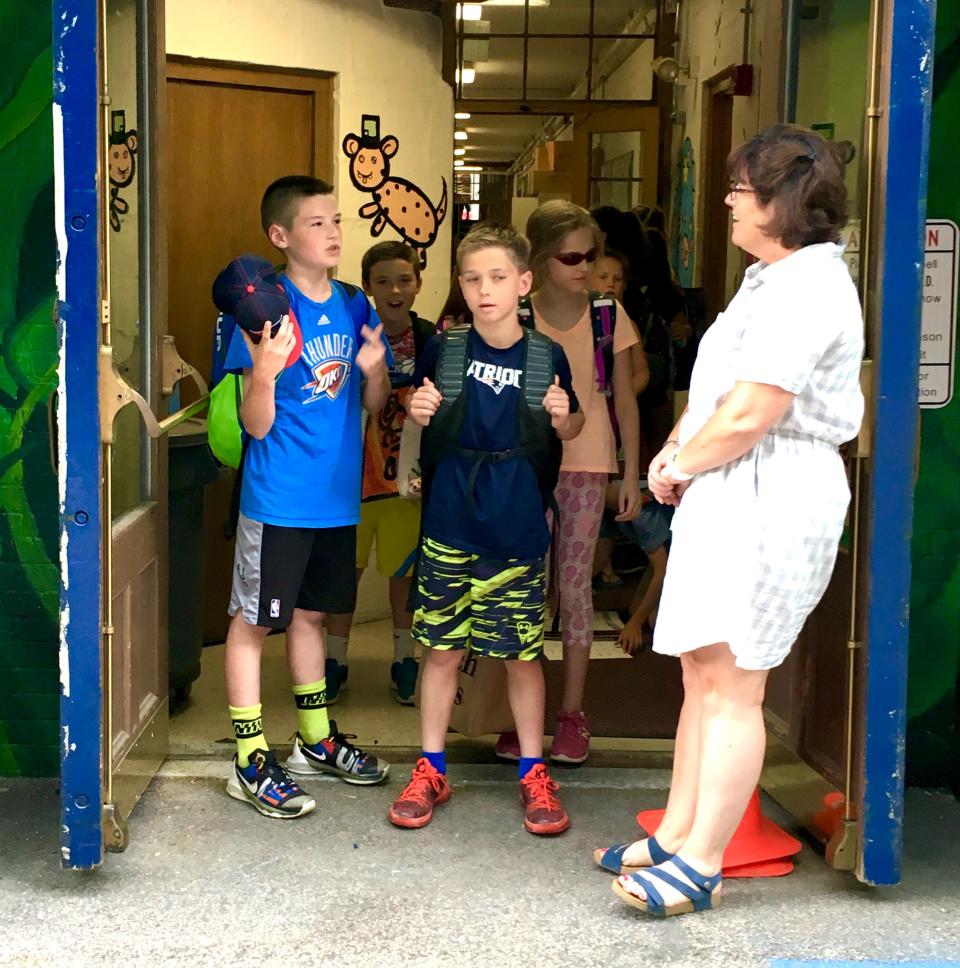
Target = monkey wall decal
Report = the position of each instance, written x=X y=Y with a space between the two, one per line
x=121 y=163
x=397 y=202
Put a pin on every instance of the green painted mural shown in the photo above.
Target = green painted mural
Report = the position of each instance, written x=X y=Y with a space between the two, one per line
x=933 y=750
x=29 y=574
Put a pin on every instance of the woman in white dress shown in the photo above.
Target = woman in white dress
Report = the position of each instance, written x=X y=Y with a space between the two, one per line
x=761 y=495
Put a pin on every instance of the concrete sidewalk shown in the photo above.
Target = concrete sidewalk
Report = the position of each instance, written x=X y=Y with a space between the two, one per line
x=208 y=882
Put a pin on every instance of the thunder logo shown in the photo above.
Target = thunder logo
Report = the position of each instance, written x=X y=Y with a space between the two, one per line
x=329 y=359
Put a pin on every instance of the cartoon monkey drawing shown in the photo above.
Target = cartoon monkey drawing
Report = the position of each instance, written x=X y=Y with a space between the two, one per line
x=396 y=202
x=122 y=164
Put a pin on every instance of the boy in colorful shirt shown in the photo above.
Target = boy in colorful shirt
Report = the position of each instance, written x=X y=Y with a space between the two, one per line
x=489 y=457
x=299 y=498
x=391 y=276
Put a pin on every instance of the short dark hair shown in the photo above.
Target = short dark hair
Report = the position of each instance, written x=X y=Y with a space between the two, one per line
x=279 y=200
x=489 y=235
x=386 y=252
x=802 y=174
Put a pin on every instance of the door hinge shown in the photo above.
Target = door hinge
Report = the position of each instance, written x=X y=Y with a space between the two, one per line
x=105 y=312
x=174 y=368
x=116 y=834
x=841 y=851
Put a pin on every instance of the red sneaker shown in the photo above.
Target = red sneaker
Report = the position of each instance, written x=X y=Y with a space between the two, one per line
x=543 y=812
x=571 y=739
x=427 y=789
x=508 y=746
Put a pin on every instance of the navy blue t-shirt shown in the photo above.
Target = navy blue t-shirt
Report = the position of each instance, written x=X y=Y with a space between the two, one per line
x=507 y=520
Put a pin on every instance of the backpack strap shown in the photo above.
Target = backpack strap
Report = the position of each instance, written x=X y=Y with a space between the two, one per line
x=603 y=320
x=359 y=308
x=525 y=312
x=538 y=368
x=451 y=372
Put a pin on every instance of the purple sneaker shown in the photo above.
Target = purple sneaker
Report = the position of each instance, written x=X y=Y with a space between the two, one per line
x=571 y=739
x=508 y=746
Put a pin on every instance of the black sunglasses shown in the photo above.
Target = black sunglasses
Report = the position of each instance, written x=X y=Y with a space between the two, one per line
x=575 y=258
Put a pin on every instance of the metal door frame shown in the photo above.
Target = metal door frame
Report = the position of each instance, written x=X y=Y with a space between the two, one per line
x=904 y=110
x=77 y=213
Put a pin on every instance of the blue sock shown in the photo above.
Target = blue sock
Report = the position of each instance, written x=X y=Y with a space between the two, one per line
x=527 y=763
x=437 y=760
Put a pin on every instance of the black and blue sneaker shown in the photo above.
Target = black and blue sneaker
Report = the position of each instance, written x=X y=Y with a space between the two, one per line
x=403 y=679
x=336 y=755
x=336 y=676
x=265 y=785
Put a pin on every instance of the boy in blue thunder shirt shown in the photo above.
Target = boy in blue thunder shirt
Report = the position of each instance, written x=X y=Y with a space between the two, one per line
x=300 y=497
x=480 y=574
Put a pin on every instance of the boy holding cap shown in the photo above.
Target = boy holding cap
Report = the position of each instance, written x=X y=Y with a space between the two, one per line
x=300 y=493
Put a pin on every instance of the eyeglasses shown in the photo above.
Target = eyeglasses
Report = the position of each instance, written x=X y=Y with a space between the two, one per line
x=739 y=189
x=575 y=258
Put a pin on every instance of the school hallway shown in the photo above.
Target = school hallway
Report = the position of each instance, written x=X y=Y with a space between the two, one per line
x=208 y=882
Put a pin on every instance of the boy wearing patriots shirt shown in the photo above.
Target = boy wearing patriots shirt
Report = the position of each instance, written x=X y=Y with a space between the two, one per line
x=490 y=455
x=300 y=497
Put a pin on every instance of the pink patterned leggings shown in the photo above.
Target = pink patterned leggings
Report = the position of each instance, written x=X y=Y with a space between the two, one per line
x=579 y=497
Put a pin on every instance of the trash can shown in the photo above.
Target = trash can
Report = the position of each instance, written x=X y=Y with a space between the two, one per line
x=191 y=468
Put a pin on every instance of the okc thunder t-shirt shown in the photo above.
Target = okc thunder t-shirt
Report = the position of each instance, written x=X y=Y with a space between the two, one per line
x=508 y=519
x=306 y=472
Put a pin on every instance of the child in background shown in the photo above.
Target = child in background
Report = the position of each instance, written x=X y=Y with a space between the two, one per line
x=391 y=276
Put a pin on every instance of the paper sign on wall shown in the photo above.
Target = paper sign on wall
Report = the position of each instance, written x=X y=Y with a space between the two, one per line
x=938 y=325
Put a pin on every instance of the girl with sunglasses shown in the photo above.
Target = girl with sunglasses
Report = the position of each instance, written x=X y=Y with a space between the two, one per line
x=565 y=242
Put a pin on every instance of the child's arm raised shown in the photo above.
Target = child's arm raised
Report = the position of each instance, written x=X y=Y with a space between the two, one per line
x=424 y=403
x=257 y=411
x=372 y=360
x=557 y=403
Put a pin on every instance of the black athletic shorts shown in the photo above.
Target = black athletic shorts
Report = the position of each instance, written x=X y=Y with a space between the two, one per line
x=277 y=569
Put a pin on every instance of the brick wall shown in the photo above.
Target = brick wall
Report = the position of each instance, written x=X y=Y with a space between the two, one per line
x=29 y=574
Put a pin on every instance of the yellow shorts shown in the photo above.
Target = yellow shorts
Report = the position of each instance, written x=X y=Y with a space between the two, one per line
x=395 y=523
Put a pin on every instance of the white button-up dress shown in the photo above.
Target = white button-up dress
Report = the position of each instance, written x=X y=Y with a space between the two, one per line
x=755 y=541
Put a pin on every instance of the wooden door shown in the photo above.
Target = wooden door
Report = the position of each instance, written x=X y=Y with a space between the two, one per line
x=717 y=139
x=230 y=132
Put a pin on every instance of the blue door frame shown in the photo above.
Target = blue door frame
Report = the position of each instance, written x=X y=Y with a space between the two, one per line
x=76 y=117
x=896 y=368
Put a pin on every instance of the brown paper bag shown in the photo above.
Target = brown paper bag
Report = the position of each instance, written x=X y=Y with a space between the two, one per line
x=481 y=705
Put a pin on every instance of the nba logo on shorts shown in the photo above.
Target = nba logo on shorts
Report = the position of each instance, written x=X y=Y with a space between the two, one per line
x=274 y=608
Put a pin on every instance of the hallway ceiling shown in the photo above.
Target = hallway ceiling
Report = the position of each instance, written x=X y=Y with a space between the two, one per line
x=555 y=67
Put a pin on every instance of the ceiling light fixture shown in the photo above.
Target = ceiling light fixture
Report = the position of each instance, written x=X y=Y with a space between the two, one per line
x=459 y=151
x=469 y=11
x=458 y=163
x=516 y=3
x=469 y=73
x=462 y=116
x=460 y=135
x=469 y=168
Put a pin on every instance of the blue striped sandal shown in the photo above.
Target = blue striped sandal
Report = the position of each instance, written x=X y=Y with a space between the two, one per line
x=611 y=859
x=700 y=893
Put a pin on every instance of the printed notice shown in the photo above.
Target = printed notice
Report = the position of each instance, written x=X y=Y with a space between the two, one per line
x=938 y=326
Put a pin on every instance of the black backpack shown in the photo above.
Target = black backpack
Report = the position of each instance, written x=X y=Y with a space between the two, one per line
x=536 y=438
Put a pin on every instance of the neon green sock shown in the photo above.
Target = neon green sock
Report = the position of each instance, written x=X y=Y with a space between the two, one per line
x=248 y=729
x=311 y=700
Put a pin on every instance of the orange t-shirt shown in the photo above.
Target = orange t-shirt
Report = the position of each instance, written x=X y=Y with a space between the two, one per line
x=594 y=449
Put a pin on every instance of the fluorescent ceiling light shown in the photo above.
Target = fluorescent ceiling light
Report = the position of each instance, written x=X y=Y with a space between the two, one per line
x=469 y=73
x=469 y=167
x=460 y=136
x=462 y=116
x=469 y=11
x=459 y=151
x=458 y=163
